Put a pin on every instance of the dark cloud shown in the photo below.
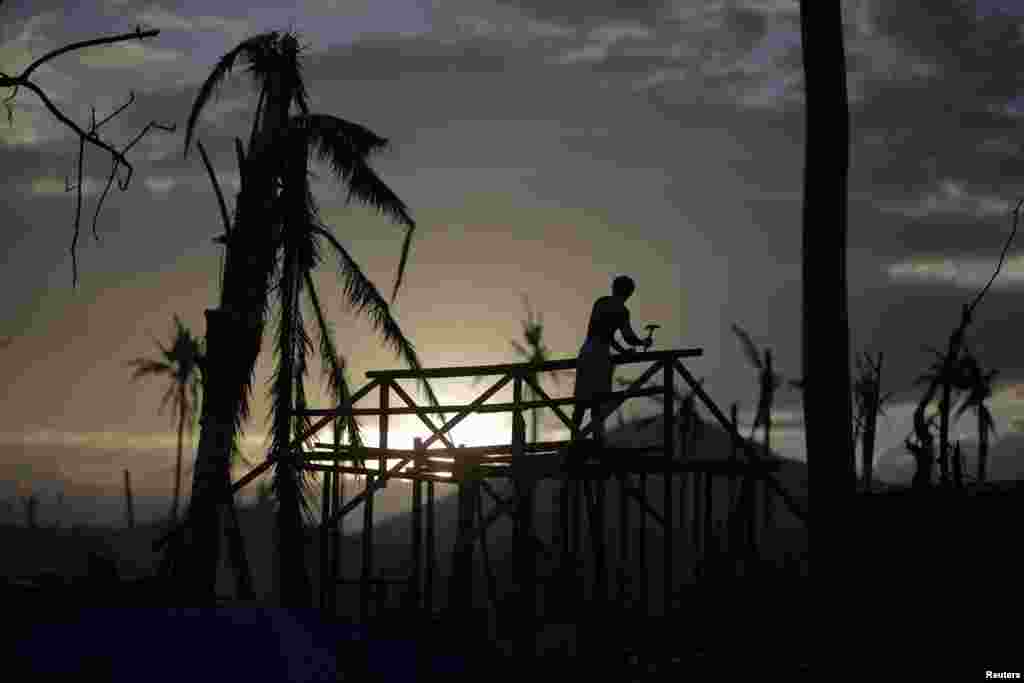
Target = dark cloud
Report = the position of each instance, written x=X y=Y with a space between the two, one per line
x=577 y=12
x=747 y=25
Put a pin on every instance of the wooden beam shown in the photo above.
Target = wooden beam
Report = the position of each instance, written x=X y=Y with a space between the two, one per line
x=550 y=402
x=747 y=449
x=495 y=388
x=506 y=368
x=423 y=416
x=475 y=407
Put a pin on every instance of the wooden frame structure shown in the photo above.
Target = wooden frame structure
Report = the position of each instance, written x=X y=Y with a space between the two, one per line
x=582 y=469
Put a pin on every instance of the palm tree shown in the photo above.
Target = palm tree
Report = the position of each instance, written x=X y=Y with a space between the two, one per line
x=768 y=383
x=825 y=332
x=273 y=248
x=180 y=364
x=979 y=390
x=535 y=352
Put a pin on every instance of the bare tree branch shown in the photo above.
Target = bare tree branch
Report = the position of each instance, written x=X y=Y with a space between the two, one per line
x=91 y=136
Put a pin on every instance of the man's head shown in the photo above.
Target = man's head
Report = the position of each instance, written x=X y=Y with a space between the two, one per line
x=623 y=286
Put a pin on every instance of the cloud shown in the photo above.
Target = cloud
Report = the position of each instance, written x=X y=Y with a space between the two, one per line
x=130 y=55
x=951 y=197
x=969 y=274
x=577 y=12
x=158 y=185
x=51 y=185
x=157 y=17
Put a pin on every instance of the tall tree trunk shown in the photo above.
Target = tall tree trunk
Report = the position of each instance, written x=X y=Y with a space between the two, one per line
x=211 y=474
x=825 y=328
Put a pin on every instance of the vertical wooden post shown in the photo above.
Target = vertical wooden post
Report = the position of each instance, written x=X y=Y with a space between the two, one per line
x=385 y=393
x=338 y=494
x=367 y=573
x=460 y=593
x=624 y=532
x=417 y=531
x=695 y=525
x=431 y=568
x=734 y=453
x=524 y=483
x=643 y=601
x=669 y=442
x=598 y=532
x=709 y=540
x=327 y=584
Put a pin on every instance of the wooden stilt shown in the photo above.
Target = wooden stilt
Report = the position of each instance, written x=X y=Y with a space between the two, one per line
x=327 y=585
x=416 y=574
x=366 y=575
x=669 y=441
x=431 y=568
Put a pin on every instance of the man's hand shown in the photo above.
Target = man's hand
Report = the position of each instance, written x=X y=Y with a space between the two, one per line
x=648 y=342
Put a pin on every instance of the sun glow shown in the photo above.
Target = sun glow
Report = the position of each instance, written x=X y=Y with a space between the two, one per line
x=475 y=430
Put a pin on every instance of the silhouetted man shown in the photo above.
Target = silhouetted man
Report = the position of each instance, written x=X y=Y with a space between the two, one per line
x=594 y=364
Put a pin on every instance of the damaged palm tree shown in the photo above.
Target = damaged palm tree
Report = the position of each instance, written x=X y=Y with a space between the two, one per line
x=947 y=374
x=180 y=363
x=868 y=401
x=768 y=383
x=535 y=352
x=978 y=386
x=273 y=246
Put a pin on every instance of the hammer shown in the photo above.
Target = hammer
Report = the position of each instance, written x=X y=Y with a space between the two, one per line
x=650 y=331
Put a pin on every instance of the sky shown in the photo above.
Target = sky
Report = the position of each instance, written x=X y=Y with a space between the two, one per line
x=543 y=148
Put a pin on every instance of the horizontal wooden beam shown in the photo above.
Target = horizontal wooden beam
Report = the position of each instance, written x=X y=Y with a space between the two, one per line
x=563 y=364
x=485 y=407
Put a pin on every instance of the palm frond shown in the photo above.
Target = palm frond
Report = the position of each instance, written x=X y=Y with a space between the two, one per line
x=333 y=364
x=749 y=348
x=519 y=348
x=146 y=367
x=253 y=50
x=364 y=298
x=345 y=146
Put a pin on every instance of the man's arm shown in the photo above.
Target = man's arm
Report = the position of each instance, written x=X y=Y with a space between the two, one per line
x=628 y=334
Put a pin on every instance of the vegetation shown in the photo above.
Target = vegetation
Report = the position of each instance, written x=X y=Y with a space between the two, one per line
x=180 y=363
x=868 y=401
x=273 y=247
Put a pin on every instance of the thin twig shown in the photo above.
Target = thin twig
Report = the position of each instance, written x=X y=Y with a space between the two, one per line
x=92 y=135
x=1002 y=256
